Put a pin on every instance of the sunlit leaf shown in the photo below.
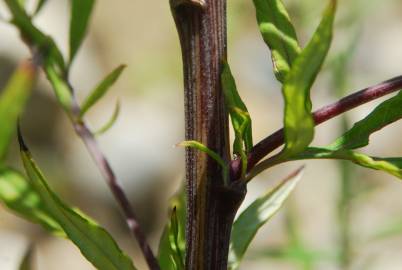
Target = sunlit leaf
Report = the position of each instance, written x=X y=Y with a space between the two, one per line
x=212 y=154
x=241 y=120
x=278 y=33
x=12 y=101
x=93 y=241
x=172 y=243
x=256 y=215
x=358 y=136
x=111 y=121
x=43 y=46
x=60 y=86
x=20 y=196
x=389 y=165
x=45 y=52
x=101 y=89
x=80 y=14
x=298 y=122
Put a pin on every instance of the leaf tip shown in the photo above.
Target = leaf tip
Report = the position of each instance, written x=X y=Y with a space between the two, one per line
x=23 y=146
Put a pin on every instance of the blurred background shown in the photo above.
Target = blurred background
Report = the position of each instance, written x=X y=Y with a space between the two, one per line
x=339 y=217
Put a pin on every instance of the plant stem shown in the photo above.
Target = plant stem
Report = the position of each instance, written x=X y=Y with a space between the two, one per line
x=102 y=163
x=276 y=139
x=118 y=192
x=211 y=205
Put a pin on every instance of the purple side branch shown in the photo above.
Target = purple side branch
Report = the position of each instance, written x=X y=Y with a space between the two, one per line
x=132 y=222
x=276 y=139
x=103 y=164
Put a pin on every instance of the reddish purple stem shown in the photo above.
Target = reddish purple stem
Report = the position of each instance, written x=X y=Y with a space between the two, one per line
x=276 y=139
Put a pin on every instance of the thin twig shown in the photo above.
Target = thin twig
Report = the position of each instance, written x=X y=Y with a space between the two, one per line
x=103 y=164
x=276 y=139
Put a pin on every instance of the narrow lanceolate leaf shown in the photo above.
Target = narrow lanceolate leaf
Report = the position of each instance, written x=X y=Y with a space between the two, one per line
x=278 y=33
x=172 y=243
x=392 y=166
x=212 y=154
x=298 y=122
x=45 y=51
x=111 y=121
x=12 y=101
x=256 y=215
x=20 y=196
x=241 y=120
x=101 y=89
x=44 y=47
x=80 y=13
x=94 y=242
x=59 y=84
x=358 y=136
x=39 y=6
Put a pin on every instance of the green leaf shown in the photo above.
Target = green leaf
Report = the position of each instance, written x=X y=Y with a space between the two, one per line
x=101 y=89
x=12 y=102
x=44 y=47
x=111 y=121
x=241 y=120
x=60 y=86
x=39 y=6
x=299 y=123
x=256 y=215
x=392 y=166
x=80 y=13
x=358 y=136
x=27 y=260
x=45 y=52
x=212 y=154
x=20 y=196
x=172 y=243
x=94 y=242
x=279 y=34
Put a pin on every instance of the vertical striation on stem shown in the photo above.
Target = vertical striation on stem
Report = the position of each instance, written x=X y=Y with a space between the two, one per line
x=211 y=207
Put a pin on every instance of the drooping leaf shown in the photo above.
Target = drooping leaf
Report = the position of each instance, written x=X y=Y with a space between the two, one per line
x=26 y=263
x=384 y=114
x=358 y=136
x=241 y=120
x=94 y=242
x=80 y=14
x=298 y=122
x=256 y=215
x=172 y=243
x=278 y=33
x=212 y=154
x=20 y=196
x=12 y=101
x=111 y=121
x=101 y=89
x=392 y=166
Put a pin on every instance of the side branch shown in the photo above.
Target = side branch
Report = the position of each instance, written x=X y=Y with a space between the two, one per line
x=106 y=170
x=276 y=139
